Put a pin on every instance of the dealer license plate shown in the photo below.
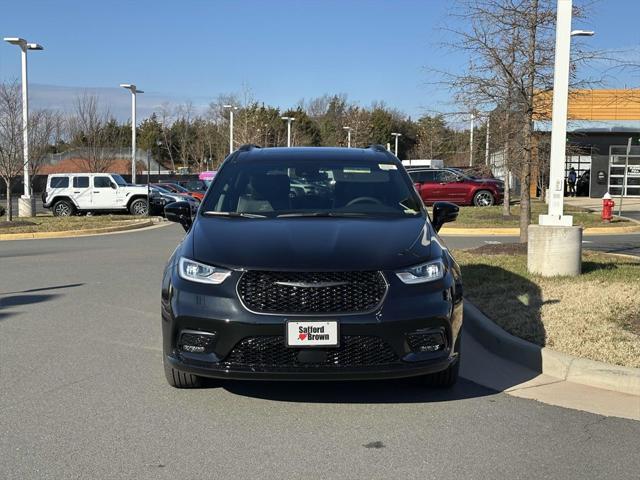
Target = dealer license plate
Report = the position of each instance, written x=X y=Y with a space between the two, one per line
x=312 y=333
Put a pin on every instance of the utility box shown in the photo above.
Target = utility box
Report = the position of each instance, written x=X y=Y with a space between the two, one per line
x=428 y=163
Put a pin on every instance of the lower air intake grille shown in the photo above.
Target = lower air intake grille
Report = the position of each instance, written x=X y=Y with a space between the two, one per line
x=271 y=351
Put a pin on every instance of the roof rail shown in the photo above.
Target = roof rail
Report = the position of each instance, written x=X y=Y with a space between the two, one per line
x=377 y=147
x=247 y=147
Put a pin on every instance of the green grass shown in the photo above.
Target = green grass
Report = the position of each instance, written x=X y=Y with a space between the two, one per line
x=491 y=217
x=595 y=315
x=48 y=223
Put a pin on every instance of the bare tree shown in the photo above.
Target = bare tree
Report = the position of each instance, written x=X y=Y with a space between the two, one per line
x=166 y=117
x=11 y=155
x=87 y=131
x=44 y=131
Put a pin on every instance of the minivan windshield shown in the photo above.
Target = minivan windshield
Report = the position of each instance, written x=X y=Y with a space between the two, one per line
x=311 y=187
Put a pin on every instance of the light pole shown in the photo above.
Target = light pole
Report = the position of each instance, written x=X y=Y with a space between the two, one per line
x=231 y=109
x=473 y=118
x=159 y=144
x=288 y=120
x=486 y=142
x=348 y=129
x=25 y=203
x=396 y=135
x=132 y=88
x=555 y=246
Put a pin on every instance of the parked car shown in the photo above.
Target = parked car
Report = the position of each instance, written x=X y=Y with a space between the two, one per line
x=348 y=282
x=177 y=188
x=207 y=177
x=193 y=185
x=70 y=193
x=172 y=196
x=452 y=185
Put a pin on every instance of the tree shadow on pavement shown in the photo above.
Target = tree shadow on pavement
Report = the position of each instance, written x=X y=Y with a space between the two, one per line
x=27 y=297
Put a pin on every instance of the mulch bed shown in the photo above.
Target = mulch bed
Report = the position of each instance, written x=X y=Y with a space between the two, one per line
x=16 y=223
x=501 y=249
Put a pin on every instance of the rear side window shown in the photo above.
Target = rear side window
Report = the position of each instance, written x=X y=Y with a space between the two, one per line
x=445 y=176
x=80 y=182
x=101 y=182
x=59 y=182
x=422 y=177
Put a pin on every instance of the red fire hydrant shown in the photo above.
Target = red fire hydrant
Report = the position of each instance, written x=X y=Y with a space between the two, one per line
x=607 y=208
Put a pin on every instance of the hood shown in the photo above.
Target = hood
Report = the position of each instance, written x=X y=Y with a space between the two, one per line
x=490 y=181
x=320 y=244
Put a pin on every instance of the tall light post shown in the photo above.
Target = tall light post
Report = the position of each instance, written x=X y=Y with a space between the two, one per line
x=231 y=110
x=132 y=88
x=288 y=120
x=348 y=129
x=473 y=119
x=486 y=141
x=25 y=203
x=396 y=135
x=555 y=245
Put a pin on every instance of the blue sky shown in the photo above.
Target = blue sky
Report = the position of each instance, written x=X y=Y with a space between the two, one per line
x=283 y=51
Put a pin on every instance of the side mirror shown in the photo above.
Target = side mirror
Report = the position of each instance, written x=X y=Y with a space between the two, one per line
x=444 y=212
x=113 y=185
x=179 y=212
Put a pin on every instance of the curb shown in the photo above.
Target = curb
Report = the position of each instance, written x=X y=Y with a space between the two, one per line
x=514 y=232
x=78 y=233
x=550 y=362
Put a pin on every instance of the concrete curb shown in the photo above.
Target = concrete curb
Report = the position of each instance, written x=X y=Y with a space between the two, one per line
x=136 y=224
x=514 y=232
x=549 y=362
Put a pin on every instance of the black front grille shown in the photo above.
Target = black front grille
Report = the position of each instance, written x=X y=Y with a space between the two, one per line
x=311 y=292
x=271 y=351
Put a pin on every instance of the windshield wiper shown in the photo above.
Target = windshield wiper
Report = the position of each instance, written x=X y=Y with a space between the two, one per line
x=212 y=213
x=322 y=214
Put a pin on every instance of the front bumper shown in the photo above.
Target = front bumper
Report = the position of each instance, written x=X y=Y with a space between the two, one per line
x=313 y=373
x=406 y=309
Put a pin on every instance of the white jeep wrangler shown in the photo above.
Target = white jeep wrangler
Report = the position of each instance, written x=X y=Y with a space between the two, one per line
x=68 y=193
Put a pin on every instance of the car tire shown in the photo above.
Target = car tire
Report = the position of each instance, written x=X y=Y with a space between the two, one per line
x=446 y=378
x=63 y=208
x=483 y=198
x=139 y=207
x=178 y=379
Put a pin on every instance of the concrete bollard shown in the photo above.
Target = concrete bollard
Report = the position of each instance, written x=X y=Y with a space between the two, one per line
x=554 y=250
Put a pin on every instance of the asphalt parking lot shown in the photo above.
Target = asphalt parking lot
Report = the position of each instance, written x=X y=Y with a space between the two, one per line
x=84 y=396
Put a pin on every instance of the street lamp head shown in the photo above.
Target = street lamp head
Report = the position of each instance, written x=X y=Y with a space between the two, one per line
x=34 y=46
x=346 y=128
x=582 y=33
x=396 y=134
x=230 y=106
x=132 y=87
x=288 y=119
x=15 y=41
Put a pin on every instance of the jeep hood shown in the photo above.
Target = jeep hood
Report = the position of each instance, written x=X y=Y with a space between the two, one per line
x=319 y=244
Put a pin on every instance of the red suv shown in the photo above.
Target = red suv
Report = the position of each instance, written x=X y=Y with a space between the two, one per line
x=452 y=185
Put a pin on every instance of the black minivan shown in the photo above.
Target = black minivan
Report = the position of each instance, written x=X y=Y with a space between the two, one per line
x=311 y=264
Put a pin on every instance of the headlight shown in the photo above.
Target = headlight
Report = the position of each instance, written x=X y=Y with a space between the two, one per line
x=199 y=272
x=425 y=272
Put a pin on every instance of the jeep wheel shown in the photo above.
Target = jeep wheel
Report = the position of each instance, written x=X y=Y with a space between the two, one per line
x=139 y=207
x=483 y=198
x=63 y=208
